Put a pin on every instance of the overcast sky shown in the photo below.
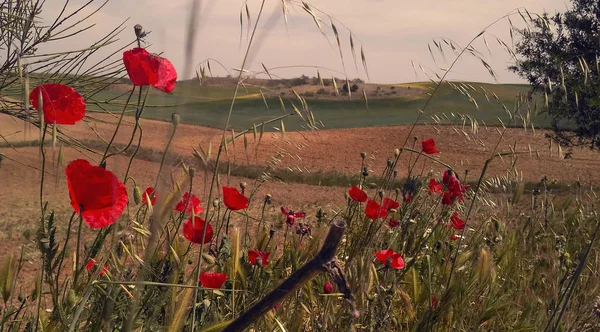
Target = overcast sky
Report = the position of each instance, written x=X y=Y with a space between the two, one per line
x=392 y=32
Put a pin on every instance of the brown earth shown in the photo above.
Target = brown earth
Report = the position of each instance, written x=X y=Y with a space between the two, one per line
x=326 y=150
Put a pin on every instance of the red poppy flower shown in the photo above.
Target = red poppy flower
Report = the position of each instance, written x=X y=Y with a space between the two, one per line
x=193 y=204
x=447 y=198
x=408 y=198
x=389 y=204
x=95 y=193
x=233 y=200
x=291 y=216
x=193 y=229
x=327 y=288
x=429 y=146
x=393 y=223
x=390 y=259
x=146 y=69
x=62 y=104
x=254 y=256
x=435 y=187
x=90 y=267
x=276 y=307
x=374 y=211
x=454 y=237
x=456 y=222
x=212 y=280
x=357 y=194
x=149 y=195
x=455 y=188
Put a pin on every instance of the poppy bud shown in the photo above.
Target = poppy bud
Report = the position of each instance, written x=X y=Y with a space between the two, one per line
x=137 y=195
x=271 y=233
x=139 y=31
x=258 y=261
x=389 y=162
x=363 y=155
x=175 y=119
x=397 y=191
x=72 y=297
x=268 y=199
x=103 y=164
x=393 y=210
x=216 y=202
x=192 y=172
x=395 y=173
x=327 y=288
x=381 y=193
x=396 y=153
x=243 y=186
x=21 y=298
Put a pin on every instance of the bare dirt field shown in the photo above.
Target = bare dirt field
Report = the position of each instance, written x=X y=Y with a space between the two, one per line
x=327 y=150
x=338 y=150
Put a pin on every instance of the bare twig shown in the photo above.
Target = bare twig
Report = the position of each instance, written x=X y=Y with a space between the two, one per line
x=323 y=261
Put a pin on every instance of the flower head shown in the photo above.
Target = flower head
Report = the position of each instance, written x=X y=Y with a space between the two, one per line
x=393 y=223
x=374 y=211
x=192 y=202
x=388 y=204
x=61 y=103
x=429 y=146
x=456 y=222
x=291 y=216
x=233 y=200
x=303 y=229
x=212 y=280
x=327 y=288
x=149 y=195
x=193 y=230
x=435 y=187
x=146 y=69
x=90 y=267
x=95 y=193
x=258 y=257
x=389 y=258
x=357 y=194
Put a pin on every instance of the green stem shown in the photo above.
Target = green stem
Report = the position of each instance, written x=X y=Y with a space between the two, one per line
x=104 y=156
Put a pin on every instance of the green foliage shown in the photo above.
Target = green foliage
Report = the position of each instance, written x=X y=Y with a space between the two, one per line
x=559 y=57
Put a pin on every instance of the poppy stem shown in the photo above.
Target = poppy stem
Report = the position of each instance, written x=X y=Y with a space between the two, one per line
x=43 y=157
x=77 y=259
x=118 y=125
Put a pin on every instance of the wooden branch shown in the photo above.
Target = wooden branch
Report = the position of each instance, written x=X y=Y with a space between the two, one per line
x=323 y=261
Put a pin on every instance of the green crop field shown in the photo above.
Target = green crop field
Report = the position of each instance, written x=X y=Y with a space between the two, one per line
x=208 y=106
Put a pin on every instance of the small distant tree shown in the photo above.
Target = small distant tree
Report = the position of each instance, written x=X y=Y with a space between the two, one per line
x=559 y=58
x=345 y=87
x=354 y=88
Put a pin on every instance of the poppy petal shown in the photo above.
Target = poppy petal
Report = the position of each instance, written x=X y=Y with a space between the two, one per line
x=193 y=230
x=96 y=193
x=233 y=200
x=428 y=146
x=212 y=280
x=61 y=103
x=164 y=72
x=357 y=194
